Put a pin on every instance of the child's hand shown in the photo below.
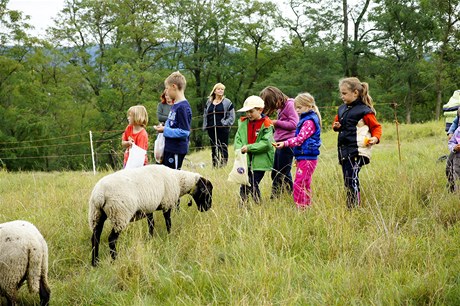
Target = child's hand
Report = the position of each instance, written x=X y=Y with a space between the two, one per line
x=159 y=128
x=244 y=149
x=278 y=145
x=373 y=141
x=457 y=148
x=336 y=125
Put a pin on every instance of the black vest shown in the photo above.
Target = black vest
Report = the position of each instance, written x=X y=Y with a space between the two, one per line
x=349 y=115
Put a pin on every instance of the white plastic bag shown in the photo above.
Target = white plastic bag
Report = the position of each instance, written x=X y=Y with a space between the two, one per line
x=136 y=157
x=159 y=148
x=239 y=173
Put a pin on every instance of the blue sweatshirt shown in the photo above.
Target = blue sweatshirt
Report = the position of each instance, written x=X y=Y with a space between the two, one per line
x=177 y=128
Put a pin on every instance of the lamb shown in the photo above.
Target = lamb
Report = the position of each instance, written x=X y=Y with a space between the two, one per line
x=132 y=194
x=23 y=256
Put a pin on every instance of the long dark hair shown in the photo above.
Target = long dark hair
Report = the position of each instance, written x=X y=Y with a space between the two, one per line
x=274 y=99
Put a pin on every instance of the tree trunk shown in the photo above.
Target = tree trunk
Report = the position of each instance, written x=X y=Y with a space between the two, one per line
x=345 y=38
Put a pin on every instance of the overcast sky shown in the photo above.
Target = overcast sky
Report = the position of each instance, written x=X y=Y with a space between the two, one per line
x=41 y=12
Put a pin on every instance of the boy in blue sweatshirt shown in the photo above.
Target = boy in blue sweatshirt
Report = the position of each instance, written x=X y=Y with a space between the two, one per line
x=177 y=128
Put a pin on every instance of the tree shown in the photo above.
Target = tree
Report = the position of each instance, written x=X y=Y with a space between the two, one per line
x=405 y=33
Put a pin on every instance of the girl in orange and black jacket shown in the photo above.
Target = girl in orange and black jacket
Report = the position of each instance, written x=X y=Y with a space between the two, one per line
x=358 y=131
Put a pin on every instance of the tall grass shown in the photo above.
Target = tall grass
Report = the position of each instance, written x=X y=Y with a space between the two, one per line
x=400 y=247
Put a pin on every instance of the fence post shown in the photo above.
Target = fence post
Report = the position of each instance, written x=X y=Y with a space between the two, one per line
x=92 y=152
x=394 y=105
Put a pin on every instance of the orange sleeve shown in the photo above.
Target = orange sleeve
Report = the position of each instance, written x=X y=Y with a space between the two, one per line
x=336 y=119
x=374 y=127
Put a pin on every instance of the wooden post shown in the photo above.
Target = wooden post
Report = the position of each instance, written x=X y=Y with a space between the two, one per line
x=394 y=105
x=92 y=152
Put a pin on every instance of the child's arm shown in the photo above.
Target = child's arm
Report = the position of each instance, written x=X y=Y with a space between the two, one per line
x=336 y=124
x=308 y=129
x=453 y=144
x=238 y=142
x=182 y=125
x=126 y=141
x=374 y=127
x=289 y=120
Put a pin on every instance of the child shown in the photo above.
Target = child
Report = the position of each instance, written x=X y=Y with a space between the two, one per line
x=306 y=145
x=177 y=128
x=135 y=131
x=254 y=136
x=450 y=158
x=285 y=126
x=358 y=132
x=164 y=107
x=454 y=147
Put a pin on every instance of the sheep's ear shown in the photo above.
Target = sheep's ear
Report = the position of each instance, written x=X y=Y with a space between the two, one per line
x=205 y=185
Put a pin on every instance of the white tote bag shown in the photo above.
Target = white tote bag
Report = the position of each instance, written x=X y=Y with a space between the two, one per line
x=239 y=173
x=159 y=148
x=136 y=157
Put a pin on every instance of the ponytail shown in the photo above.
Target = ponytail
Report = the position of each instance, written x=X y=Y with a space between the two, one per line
x=367 y=99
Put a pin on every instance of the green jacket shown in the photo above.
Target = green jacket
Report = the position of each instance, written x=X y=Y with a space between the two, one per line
x=261 y=154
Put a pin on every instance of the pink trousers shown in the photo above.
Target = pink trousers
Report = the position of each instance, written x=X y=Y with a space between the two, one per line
x=302 y=182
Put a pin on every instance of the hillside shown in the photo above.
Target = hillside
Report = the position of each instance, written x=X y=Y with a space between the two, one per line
x=400 y=247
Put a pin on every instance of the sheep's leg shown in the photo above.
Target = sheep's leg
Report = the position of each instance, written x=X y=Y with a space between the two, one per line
x=96 y=238
x=150 y=223
x=10 y=300
x=113 y=237
x=44 y=292
x=167 y=216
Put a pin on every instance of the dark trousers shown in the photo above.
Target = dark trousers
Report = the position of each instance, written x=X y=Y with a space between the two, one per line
x=219 y=145
x=453 y=171
x=450 y=172
x=173 y=160
x=254 y=179
x=281 y=173
x=350 y=169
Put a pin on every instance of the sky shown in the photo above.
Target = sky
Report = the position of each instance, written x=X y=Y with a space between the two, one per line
x=40 y=12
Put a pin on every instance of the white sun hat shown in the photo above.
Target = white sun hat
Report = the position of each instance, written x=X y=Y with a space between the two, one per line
x=252 y=102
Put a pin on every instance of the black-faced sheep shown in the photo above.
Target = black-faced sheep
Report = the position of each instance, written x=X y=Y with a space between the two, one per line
x=23 y=256
x=132 y=194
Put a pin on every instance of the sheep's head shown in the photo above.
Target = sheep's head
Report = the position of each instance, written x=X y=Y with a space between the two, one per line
x=202 y=194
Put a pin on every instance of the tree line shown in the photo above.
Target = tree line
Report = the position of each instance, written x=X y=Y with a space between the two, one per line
x=101 y=57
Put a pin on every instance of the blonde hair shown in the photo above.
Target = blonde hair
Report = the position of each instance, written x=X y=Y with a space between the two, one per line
x=139 y=114
x=178 y=79
x=362 y=88
x=305 y=99
x=274 y=99
x=212 y=95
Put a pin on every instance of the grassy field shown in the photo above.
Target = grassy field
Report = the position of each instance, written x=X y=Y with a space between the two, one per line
x=400 y=247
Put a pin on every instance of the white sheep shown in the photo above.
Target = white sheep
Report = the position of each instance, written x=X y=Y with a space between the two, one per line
x=132 y=194
x=23 y=256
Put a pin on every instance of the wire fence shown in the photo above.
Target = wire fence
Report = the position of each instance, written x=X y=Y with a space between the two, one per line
x=90 y=147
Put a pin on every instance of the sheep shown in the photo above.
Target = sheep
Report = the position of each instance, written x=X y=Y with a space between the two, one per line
x=132 y=194
x=23 y=256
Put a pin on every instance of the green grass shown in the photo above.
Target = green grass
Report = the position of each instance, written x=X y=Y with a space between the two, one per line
x=400 y=247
